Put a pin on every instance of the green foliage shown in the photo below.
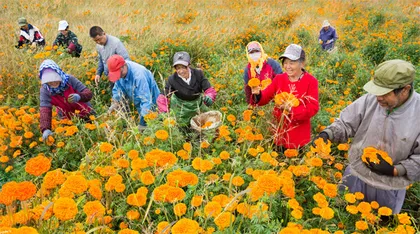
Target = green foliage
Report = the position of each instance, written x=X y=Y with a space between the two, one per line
x=375 y=51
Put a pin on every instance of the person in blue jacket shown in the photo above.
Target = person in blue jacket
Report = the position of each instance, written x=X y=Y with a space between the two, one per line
x=327 y=36
x=133 y=82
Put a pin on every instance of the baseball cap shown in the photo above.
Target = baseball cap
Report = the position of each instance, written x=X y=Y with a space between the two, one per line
x=390 y=75
x=253 y=46
x=22 y=21
x=326 y=23
x=182 y=58
x=49 y=75
x=62 y=25
x=293 y=52
x=115 y=63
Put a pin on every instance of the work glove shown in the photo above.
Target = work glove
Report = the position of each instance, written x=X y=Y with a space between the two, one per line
x=207 y=100
x=74 y=97
x=322 y=135
x=45 y=134
x=383 y=167
x=114 y=106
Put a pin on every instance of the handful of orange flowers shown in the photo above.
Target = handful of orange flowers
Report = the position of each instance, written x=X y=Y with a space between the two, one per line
x=286 y=100
x=370 y=156
x=254 y=83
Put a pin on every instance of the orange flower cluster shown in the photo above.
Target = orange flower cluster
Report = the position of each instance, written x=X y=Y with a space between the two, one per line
x=202 y=165
x=160 y=158
x=181 y=178
x=254 y=82
x=53 y=178
x=38 y=165
x=65 y=208
x=105 y=147
x=370 y=155
x=180 y=209
x=95 y=189
x=322 y=150
x=12 y=191
x=76 y=184
x=167 y=193
x=94 y=211
x=286 y=99
x=185 y=226
x=115 y=182
x=224 y=220
x=162 y=135
x=139 y=198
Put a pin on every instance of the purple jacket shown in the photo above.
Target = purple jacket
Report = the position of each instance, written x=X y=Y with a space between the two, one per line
x=330 y=34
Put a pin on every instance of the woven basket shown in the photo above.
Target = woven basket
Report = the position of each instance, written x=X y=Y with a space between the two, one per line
x=206 y=121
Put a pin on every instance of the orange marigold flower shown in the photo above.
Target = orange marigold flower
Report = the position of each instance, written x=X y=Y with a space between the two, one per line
x=65 y=208
x=180 y=209
x=286 y=99
x=127 y=231
x=108 y=171
x=185 y=226
x=161 y=134
x=139 y=198
x=163 y=228
x=76 y=184
x=105 y=147
x=202 y=164
x=350 y=198
x=364 y=207
x=138 y=164
x=326 y=213
x=238 y=181
x=53 y=178
x=384 y=211
x=224 y=155
x=247 y=115
x=94 y=210
x=147 y=178
x=96 y=192
x=183 y=154
x=113 y=182
x=316 y=162
x=254 y=82
x=28 y=135
x=168 y=193
x=352 y=209
x=404 y=219
x=224 y=220
x=133 y=154
x=361 y=225
x=231 y=118
x=196 y=201
x=187 y=146
x=160 y=158
x=330 y=190
x=297 y=214
x=359 y=195
x=133 y=215
x=291 y=153
x=38 y=165
x=181 y=178
x=212 y=209
x=374 y=205
x=343 y=147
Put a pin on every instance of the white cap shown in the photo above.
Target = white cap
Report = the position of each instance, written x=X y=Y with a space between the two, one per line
x=293 y=52
x=62 y=25
x=49 y=75
x=325 y=23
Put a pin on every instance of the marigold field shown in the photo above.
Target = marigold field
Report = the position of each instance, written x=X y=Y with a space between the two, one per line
x=107 y=177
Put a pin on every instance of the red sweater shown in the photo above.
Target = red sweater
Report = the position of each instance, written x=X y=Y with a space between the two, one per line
x=295 y=132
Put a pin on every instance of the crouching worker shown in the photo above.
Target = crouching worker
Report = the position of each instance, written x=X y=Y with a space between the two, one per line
x=65 y=92
x=188 y=90
x=133 y=82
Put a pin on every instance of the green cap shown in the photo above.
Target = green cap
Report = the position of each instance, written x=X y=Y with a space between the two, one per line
x=22 y=21
x=390 y=75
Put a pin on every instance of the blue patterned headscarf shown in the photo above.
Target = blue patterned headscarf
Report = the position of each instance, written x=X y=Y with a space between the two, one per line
x=48 y=63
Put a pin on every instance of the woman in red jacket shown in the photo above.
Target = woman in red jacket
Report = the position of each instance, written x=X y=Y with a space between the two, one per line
x=65 y=92
x=293 y=118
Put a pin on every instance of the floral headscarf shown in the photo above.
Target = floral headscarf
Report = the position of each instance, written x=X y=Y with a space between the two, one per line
x=48 y=63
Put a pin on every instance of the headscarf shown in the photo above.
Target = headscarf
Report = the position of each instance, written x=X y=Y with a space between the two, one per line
x=48 y=63
x=261 y=60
